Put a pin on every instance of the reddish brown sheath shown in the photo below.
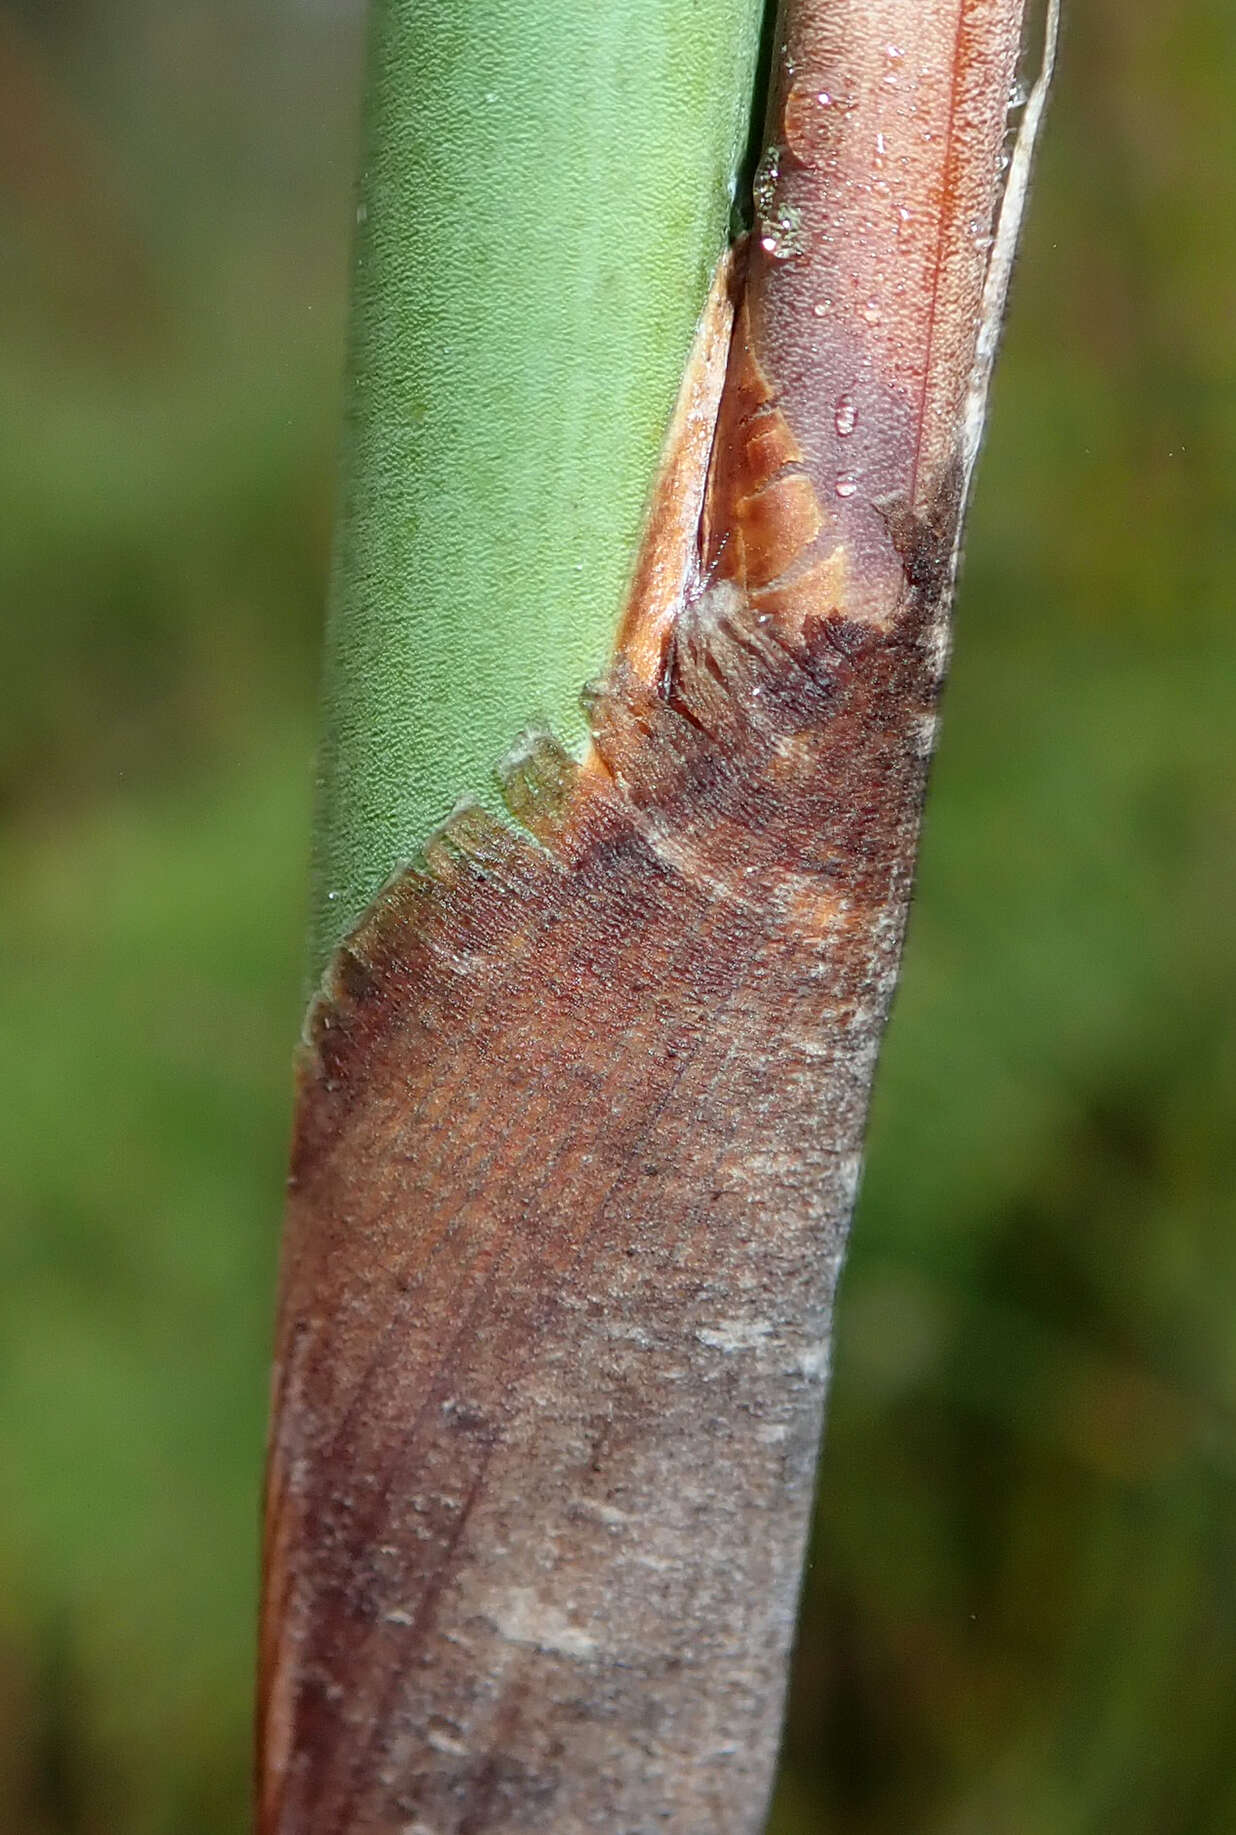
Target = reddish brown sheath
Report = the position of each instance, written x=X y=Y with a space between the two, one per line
x=581 y=1108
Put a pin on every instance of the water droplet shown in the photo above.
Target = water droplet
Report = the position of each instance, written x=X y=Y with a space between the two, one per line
x=824 y=99
x=846 y=484
x=871 y=312
x=893 y=53
x=881 y=146
x=1019 y=95
x=822 y=308
x=845 y=416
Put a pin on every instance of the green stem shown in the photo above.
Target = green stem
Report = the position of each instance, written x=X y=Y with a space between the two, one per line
x=546 y=188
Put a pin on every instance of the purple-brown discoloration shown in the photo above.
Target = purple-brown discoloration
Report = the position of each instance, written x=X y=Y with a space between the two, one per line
x=885 y=132
x=579 y=1130
x=578 y=1136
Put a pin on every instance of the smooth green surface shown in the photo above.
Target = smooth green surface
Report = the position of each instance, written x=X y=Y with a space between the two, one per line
x=1021 y=1609
x=546 y=189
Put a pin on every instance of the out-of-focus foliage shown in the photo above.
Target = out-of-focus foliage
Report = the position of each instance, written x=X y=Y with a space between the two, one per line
x=1021 y=1616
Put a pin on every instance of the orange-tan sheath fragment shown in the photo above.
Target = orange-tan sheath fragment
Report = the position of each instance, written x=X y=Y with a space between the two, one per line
x=581 y=1106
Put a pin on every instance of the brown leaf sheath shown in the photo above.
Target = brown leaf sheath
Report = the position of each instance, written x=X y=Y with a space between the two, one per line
x=581 y=1110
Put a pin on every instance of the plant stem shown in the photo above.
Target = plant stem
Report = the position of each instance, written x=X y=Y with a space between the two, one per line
x=545 y=193
x=582 y=1104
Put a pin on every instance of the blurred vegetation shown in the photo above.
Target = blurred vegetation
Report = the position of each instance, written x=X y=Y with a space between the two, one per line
x=1021 y=1613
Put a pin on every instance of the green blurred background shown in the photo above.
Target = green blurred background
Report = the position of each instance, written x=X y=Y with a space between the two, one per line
x=1021 y=1613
